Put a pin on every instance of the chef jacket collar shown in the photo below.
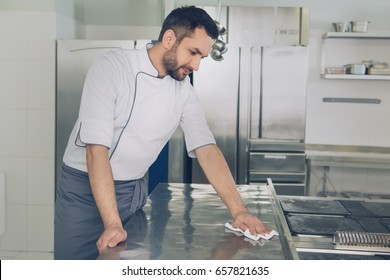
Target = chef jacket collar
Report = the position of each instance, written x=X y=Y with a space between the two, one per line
x=150 y=69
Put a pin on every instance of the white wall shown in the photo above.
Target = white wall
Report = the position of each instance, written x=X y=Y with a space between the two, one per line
x=69 y=28
x=343 y=123
x=121 y=32
x=347 y=123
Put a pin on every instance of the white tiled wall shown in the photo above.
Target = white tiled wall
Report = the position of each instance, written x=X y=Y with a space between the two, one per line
x=27 y=104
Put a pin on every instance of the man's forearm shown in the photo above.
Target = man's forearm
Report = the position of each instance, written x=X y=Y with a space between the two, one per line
x=217 y=172
x=102 y=184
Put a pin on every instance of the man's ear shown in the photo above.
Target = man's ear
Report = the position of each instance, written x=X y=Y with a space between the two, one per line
x=169 y=39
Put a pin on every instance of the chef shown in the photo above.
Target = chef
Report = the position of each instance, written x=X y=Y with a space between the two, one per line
x=132 y=103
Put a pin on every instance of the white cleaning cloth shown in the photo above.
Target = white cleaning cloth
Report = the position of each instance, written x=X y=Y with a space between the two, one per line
x=249 y=235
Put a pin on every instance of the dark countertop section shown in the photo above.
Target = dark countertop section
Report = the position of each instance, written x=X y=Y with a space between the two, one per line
x=313 y=221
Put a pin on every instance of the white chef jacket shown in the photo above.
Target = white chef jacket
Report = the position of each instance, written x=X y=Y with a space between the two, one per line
x=127 y=108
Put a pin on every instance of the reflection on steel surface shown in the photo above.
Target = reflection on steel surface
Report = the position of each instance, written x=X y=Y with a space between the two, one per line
x=186 y=221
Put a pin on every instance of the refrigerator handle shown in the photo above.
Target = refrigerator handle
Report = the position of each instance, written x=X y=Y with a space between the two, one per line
x=94 y=48
x=243 y=124
x=256 y=92
x=249 y=107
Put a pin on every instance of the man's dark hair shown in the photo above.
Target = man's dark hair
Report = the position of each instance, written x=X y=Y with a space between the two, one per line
x=183 y=21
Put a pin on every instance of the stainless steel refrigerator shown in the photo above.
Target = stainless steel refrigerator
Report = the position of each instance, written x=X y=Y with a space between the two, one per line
x=255 y=103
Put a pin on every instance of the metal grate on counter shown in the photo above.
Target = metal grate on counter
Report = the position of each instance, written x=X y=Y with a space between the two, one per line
x=362 y=241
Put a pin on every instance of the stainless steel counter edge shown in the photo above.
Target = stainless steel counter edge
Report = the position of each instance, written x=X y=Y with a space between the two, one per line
x=348 y=156
x=281 y=223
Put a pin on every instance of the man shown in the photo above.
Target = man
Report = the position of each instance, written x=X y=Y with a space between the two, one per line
x=131 y=105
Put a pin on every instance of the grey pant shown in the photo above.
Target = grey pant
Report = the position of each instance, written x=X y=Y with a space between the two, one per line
x=77 y=224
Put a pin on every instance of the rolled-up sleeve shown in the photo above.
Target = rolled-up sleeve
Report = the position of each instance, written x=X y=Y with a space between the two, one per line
x=97 y=107
x=194 y=125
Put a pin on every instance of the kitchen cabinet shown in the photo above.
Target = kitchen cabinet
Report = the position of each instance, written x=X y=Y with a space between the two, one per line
x=284 y=162
x=268 y=26
x=341 y=48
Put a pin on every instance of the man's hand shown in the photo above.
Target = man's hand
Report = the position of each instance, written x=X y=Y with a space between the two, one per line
x=111 y=237
x=246 y=221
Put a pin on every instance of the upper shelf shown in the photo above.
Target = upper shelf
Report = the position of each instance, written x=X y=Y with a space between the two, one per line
x=357 y=35
x=353 y=35
x=355 y=77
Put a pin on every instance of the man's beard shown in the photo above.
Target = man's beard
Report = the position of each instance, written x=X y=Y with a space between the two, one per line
x=170 y=64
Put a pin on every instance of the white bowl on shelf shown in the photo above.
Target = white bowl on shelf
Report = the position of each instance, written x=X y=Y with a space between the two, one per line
x=359 y=26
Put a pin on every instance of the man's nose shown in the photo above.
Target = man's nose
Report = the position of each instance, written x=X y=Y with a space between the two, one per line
x=195 y=63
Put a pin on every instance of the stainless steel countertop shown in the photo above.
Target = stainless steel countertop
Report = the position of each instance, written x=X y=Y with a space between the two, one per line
x=186 y=221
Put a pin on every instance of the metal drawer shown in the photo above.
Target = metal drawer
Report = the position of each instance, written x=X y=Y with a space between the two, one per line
x=279 y=162
x=277 y=177
x=287 y=189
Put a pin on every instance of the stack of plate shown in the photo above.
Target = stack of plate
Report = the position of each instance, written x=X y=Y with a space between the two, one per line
x=379 y=69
